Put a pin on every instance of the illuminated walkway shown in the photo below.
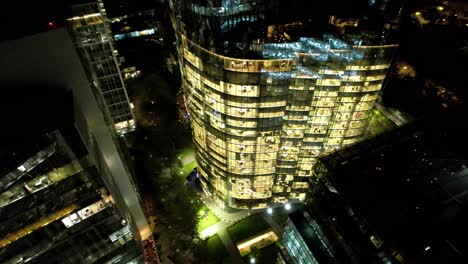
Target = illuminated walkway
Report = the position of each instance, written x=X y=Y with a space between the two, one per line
x=225 y=216
x=20 y=233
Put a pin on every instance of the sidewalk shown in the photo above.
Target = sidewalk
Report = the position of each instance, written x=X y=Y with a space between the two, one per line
x=223 y=215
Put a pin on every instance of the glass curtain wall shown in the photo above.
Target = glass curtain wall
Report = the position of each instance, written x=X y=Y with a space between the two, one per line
x=93 y=39
x=260 y=124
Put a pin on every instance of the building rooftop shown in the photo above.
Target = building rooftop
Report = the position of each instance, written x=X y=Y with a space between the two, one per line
x=318 y=237
x=411 y=187
x=244 y=26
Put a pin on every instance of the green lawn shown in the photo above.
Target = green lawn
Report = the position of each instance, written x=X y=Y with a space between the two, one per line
x=186 y=156
x=207 y=220
x=248 y=227
x=188 y=168
x=215 y=250
x=186 y=152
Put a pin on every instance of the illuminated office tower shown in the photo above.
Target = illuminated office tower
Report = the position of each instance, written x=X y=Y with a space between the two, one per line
x=272 y=85
x=93 y=39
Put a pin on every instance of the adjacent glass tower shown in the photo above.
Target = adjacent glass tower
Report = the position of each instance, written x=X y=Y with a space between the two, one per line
x=270 y=86
x=66 y=193
x=93 y=39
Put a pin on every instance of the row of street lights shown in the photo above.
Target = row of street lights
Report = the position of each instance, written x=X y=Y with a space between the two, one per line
x=287 y=206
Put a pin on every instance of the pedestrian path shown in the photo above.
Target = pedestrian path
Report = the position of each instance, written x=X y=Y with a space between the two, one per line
x=223 y=215
x=227 y=219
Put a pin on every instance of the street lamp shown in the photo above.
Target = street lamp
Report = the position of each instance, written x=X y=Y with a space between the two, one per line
x=252 y=260
x=287 y=206
x=270 y=211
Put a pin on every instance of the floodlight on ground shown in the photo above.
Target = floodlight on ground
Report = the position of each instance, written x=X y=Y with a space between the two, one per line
x=209 y=231
x=252 y=260
x=181 y=172
x=270 y=211
x=287 y=206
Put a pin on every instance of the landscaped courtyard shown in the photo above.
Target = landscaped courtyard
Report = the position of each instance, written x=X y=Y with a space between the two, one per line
x=207 y=218
x=248 y=227
x=186 y=160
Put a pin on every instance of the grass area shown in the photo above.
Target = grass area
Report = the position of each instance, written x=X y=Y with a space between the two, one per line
x=215 y=249
x=186 y=156
x=248 y=227
x=207 y=217
x=186 y=153
x=266 y=255
x=188 y=168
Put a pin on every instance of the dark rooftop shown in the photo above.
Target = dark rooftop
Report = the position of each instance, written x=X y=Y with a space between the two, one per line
x=411 y=186
x=29 y=113
x=23 y=18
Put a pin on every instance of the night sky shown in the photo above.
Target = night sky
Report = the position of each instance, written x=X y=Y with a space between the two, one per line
x=21 y=18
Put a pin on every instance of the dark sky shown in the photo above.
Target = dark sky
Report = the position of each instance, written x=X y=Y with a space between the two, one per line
x=21 y=18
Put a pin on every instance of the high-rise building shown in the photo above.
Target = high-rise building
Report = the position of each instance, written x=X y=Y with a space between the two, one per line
x=90 y=29
x=66 y=194
x=271 y=85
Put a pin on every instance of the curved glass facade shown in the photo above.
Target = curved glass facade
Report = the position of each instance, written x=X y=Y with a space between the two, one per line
x=260 y=124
